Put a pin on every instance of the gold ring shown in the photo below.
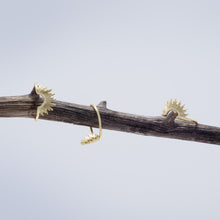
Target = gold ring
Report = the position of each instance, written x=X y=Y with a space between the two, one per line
x=93 y=137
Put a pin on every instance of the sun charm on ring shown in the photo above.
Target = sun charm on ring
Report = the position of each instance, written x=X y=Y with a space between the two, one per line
x=93 y=137
x=47 y=100
x=176 y=107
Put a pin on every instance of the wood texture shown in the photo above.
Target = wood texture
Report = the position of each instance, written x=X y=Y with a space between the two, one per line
x=168 y=127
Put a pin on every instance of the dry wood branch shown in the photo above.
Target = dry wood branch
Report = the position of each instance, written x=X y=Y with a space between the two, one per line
x=169 y=126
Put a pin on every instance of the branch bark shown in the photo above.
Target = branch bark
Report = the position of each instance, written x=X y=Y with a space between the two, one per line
x=168 y=127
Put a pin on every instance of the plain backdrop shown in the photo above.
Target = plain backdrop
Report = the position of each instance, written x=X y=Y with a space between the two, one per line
x=136 y=55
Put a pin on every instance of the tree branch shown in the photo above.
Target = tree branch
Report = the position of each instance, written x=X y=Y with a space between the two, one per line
x=168 y=127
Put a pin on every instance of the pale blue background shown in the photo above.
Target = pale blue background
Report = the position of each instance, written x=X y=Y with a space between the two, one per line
x=136 y=55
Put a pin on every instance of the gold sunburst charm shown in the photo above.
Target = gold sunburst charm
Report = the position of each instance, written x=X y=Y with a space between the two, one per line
x=90 y=138
x=47 y=100
x=176 y=107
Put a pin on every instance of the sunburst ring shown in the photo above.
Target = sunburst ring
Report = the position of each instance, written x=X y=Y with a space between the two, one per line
x=47 y=100
x=93 y=137
x=174 y=105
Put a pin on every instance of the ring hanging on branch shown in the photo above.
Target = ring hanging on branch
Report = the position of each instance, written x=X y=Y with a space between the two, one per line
x=48 y=100
x=178 y=108
x=93 y=137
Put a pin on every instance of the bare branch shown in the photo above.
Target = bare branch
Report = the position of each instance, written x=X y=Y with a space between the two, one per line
x=161 y=126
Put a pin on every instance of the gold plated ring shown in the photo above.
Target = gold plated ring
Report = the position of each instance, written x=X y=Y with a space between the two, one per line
x=93 y=137
x=174 y=105
x=48 y=100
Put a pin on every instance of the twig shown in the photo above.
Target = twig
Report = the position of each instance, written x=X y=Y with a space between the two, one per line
x=161 y=126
